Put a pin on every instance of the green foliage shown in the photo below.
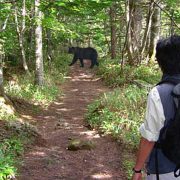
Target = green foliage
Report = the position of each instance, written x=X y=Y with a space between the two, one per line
x=128 y=165
x=9 y=150
x=23 y=86
x=6 y=115
x=150 y=74
x=113 y=75
x=119 y=113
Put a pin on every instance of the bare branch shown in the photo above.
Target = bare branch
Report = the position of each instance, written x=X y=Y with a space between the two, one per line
x=4 y=24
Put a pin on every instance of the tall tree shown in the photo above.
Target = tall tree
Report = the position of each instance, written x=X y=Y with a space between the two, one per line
x=134 y=26
x=155 y=30
x=39 y=74
x=2 y=93
x=147 y=28
x=113 y=29
x=1 y=70
x=20 y=32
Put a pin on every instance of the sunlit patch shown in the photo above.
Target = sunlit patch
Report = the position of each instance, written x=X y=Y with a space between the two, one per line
x=67 y=77
x=101 y=176
x=27 y=116
x=38 y=153
x=58 y=103
x=64 y=109
x=97 y=79
x=74 y=90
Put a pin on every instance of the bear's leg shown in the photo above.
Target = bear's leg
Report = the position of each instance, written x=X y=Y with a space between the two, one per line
x=92 y=64
x=73 y=61
x=82 y=64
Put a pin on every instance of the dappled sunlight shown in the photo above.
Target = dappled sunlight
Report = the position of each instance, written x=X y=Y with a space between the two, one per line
x=68 y=77
x=49 y=117
x=74 y=90
x=63 y=128
x=75 y=118
x=38 y=153
x=101 y=176
x=58 y=103
x=64 y=109
x=28 y=117
x=82 y=77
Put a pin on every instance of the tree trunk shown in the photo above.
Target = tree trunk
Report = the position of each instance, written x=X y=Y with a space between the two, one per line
x=31 y=35
x=129 y=48
x=20 y=34
x=1 y=71
x=4 y=24
x=106 y=38
x=155 y=29
x=39 y=74
x=147 y=28
x=113 y=30
x=3 y=97
x=134 y=26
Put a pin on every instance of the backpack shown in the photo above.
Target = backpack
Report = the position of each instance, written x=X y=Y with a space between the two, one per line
x=170 y=136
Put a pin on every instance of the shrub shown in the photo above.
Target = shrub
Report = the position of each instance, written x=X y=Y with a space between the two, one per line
x=23 y=86
x=9 y=150
x=119 y=113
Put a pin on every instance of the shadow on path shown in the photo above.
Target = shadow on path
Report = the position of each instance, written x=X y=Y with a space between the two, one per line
x=64 y=120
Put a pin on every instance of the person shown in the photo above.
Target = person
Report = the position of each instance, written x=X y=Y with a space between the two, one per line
x=160 y=110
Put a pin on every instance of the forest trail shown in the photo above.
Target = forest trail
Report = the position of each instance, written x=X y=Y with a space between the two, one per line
x=64 y=120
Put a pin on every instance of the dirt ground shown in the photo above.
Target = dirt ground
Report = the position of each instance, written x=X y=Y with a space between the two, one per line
x=64 y=120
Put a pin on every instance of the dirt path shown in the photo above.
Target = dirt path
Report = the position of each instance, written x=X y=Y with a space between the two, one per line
x=64 y=120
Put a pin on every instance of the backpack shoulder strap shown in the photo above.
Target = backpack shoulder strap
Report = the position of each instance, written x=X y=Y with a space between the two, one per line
x=176 y=91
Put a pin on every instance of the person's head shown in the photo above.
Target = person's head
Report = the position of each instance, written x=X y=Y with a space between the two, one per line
x=168 y=55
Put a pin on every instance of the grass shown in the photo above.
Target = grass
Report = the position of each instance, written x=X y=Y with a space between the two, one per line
x=112 y=74
x=10 y=149
x=120 y=112
x=22 y=86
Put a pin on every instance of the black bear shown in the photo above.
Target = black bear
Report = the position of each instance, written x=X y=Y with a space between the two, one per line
x=84 y=53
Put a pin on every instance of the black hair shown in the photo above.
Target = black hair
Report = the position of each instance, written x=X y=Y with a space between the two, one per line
x=168 y=55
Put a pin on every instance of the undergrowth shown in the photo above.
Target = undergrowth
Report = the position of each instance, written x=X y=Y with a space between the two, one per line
x=121 y=111
x=10 y=149
x=113 y=75
x=22 y=86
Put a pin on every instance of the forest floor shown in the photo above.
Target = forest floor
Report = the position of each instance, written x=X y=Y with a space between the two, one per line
x=64 y=120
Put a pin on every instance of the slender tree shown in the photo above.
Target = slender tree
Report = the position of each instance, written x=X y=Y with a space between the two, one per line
x=113 y=30
x=147 y=28
x=155 y=30
x=20 y=33
x=39 y=74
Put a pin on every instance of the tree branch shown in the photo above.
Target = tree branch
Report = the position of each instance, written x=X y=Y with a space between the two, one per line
x=4 y=24
x=167 y=13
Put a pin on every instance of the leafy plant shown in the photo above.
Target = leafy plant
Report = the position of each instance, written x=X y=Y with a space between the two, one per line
x=119 y=113
x=149 y=74
x=9 y=150
x=23 y=86
x=112 y=73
